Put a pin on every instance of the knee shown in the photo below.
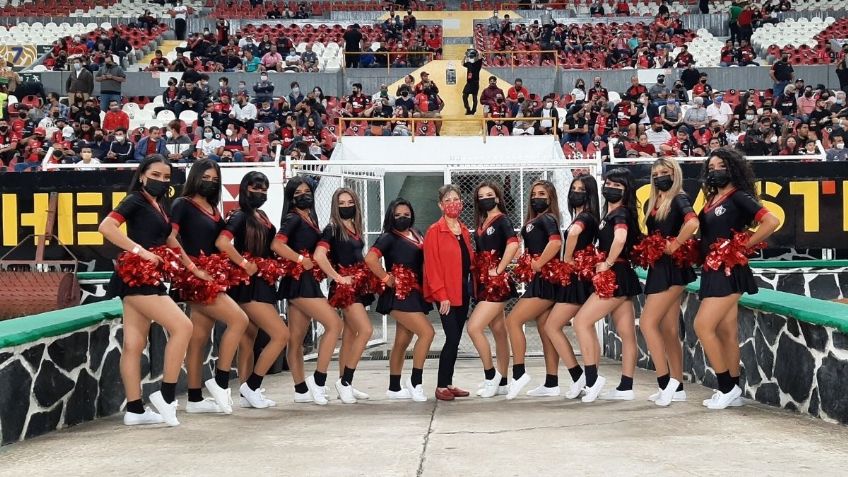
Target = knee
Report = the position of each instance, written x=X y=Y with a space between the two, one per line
x=334 y=327
x=550 y=328
x=427 y=334
x=703 y=329
x=281 y=336
x=181 y=329
x=238 y=323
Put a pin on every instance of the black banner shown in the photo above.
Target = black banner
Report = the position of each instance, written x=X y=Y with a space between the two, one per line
x=85 y=198
x=809 y=198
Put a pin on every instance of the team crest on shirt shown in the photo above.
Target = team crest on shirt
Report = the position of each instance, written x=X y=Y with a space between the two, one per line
x=491 y=231
x=529 y=228
x=720 y=210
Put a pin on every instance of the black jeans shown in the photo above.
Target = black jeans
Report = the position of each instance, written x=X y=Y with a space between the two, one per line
x=452 y=323
x=470 y=90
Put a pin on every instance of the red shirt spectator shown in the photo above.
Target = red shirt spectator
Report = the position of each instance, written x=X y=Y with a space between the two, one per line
x=513 y=92
x=115 y=119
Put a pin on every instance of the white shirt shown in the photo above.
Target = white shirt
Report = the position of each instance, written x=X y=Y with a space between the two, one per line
x=246 y=112
x=720 y=113
x=546 y=113
x=180 y=11
x=292 y=59
x=209 y=146
x=657 y=138
x=90 y=166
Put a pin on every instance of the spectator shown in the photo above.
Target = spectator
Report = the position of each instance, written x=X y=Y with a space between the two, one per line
x=243 y=114
x=781 y=73
x=598 y=91
x=153 y=143
x=696 y=116
x=546 y=126
x=635 y=90
x=11 y=77
x=189 y=98
x=120 y=47
x=786 y=104
x=80 y=83
x=250 y=63
x=806 y=104
x=293 y=63
x=110 y=77
x=837 y=152
x=115 y=119
x=159 y=62
x=657 y=135
x=790 y=147
x=353 y=45
x=671 y=114
x=678 y=146
x=120 y=150
x=690 y=76
x=428 y=104
x=309 y=59
x=720 y=111
x=272 y=60
x=487 y=97
x=523 y=127
x=235 y=144
x=209 y=147
x=8 y=144
x=179 y=146
x=295 y=96
x=408 y=102
x=596 y=9
x=494 y=23
x=643 y=148
x=515 y=90
x=659 y=91
x=576 y=128
x=87 y=161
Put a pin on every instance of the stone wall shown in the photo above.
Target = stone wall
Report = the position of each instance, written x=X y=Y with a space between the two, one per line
x=785 y=362
x=824 y=284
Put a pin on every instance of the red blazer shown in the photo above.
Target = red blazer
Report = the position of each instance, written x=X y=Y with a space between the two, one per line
x=443 y=263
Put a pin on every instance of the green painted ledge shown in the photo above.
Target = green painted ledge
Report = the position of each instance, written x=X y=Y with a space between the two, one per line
x=94 y=275
x=809 y=310
x=54 y=323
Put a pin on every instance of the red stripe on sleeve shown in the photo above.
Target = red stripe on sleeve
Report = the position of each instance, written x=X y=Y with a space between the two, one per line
x=555 y=237
x=116 y=216
x=512 y=240
x=760 y=214
x=689 y=216
x=620 y=226
x=376 y=251
x=175 y=227
x=227 y=233
x=323 y=243
x=282 y=238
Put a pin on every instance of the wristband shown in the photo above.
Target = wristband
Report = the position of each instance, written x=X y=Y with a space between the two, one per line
x=386 y=278
x=192 y=267
x=136 y=250
x=609 y=265
x=243 y=263
x=300 y=259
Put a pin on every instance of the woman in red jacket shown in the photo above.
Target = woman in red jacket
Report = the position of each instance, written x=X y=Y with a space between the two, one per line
x=447 y=281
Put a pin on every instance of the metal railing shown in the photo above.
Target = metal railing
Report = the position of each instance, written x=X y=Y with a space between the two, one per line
x=821 y=155
x=413 y=122
x=390 y=57
x=488 y=57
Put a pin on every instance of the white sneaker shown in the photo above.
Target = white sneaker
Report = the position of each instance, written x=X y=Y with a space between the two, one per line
x=722 y=400
x=417 y=392
x=303 y=398
x=168 y=411
x=516 y=385
x=679 y=396
x=319 y=393
x=738 y=402
x=220 y=395
x=667 y=395
x=359 y=395
x=591 y=393
x=244 y=402
x=616 y=395
x=576 y=387
x=403 y=394
x=254 y=398
x=503 y=390
x=490 y=386
x=149 y=417
x=207 y=406
x=543 y=391
x=345 y=392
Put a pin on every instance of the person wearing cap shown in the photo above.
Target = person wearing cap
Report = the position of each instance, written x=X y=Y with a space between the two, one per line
x=657 y=134
x=659 y=91
x=487 y=97
x=473 y=64
x=425 y=82
x=720 y=111
x=353 y=45
x=33 y=150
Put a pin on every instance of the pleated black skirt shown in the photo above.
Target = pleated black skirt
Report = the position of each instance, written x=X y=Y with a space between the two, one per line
x=540 y=288
x=118 y=288
x=716 y=284
x=626 y=279
x=256 y=290
x=575 y=293
x=304 y=287
x=413 y=303
x=665 y=274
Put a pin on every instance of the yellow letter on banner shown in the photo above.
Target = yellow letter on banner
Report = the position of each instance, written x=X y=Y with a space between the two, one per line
x=809 y=190
x=89 y=218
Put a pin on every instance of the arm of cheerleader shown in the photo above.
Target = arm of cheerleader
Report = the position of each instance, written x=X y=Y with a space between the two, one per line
x=283 y=250
x=768 y=224
x=571 y=241
x=372 y=260
x=184 y=258
x=224 y=243
x=550 y=252
x=110 y=230
x=688 y=229
x=324 y=263
x=510 y=252
x=619 y=239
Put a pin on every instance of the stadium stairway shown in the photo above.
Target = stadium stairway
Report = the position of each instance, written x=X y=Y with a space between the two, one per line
x=167 y=46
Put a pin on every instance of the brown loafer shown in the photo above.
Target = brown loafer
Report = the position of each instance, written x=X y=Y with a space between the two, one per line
x=457 y=392
x=444 y=394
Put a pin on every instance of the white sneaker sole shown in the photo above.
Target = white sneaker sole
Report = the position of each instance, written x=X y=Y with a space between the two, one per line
x=516 y=386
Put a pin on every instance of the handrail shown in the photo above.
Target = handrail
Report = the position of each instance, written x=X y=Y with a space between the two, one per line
x=512 y=54
x=822 y=157
x=388 y=54
x=413 y=120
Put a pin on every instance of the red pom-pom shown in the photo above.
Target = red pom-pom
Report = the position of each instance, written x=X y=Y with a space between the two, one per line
x=728 y=253
x=523 y=271
x=405 y=281
x=269 y=269
x=493 y=288
x=295 y=269
x=688 y=254
x=345 y=295
x=197 y=290
x=604 y=283
x=647 y=252
x=136 y=271
x=585 y=262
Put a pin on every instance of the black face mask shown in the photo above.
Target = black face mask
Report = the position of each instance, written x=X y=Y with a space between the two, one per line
x=612 y=195
x=256 y=199
x=156 y=188
x=4 y=128
x=208 y=189
x=576 y=199
x=718 y=178
x=403 y=223
x=303 y=202
x=663 y=183
x=488 y=203
x=347 y=213
x=539 y=204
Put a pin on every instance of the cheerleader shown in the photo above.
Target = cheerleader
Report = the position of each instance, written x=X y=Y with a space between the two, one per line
x=495 y=235
x=732 y=206
x=583 y=208
x=249 y=232
x=617 y=233
x=541 y=237
x=296 y=241
x=400 y=245
x=448 y=258
x=669 y=213
x=148 y=226
x=341 y=246
x=195 y=218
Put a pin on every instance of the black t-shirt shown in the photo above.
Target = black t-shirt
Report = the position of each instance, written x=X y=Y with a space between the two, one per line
x=726 y=215
x=408 y=103
x=782 y=71
x=538 y=232
x=299 y=234
x=342 y=252
x=352 y=38
x=787 y=105
x=472 y=74
x=197 y=228
x=619 y=217
x=679 y=212
x=401 y=250
x=494 y=236
x=574 y=122
x=147 y=225
x=236 y=229
x=590 y=230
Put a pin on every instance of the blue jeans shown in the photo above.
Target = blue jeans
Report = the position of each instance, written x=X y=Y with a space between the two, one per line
x=777 y=89
x=23 y=166
x=106 y=98
x=583 y=139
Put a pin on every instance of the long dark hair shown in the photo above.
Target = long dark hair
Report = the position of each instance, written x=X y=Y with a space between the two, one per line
x=135 y=183
x=553 y=201
x=255 y=237
x=340 y=232
x=480 y=214
x=195 y=177
x=629 y=201
x=288 y=197
x=591 y=206
x=738 y=168
x=389 y=219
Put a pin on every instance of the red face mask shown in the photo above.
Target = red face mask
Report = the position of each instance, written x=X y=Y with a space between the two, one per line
x=453 y=209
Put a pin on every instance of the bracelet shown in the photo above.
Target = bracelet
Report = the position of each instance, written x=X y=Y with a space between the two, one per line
x=243 y=263
x=609 y=265
x=136 y=250
x=300 y=259
x=677 y=241
x=192 y=268
x=386 y=278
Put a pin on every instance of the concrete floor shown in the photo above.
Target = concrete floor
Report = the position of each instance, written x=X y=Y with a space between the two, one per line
x=467 y=437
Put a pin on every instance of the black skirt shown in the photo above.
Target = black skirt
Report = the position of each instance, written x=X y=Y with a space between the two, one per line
x=575 y=293
x=512 y=294
x=716 y=284
x=364 y=300
x=540 y=288
x=414 y=303
x=626 y=279
x=304 y=287
x=665 y=274
x=256 y=290
x=118 y=288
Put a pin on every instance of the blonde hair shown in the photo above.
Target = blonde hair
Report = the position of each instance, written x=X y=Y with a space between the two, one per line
x=663 y=206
